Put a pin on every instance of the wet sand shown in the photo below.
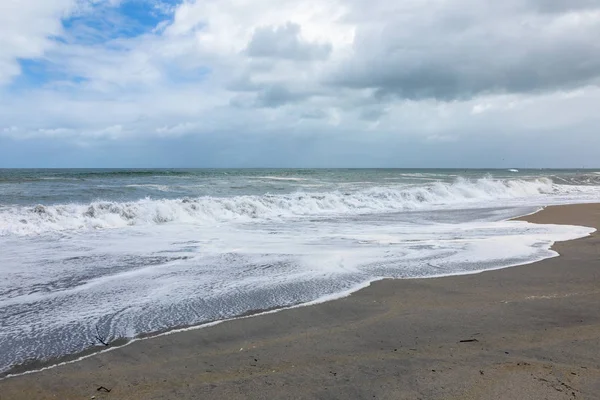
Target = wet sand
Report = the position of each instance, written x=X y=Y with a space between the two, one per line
x=527 y=332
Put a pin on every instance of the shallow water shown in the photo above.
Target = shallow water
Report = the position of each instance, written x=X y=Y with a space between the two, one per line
x=127 y=252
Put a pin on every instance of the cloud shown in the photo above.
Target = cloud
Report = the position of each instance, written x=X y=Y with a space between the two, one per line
x=26 y=28
x=463 y=49
x=553 y=6
x=285 y=42
x=276 y=96
x=377 y=72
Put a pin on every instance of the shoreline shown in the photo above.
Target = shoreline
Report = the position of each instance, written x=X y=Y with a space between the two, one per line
x=557 y=214
x=37 y=365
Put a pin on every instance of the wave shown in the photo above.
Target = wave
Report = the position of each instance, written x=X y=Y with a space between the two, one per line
x=590 y=179
x=161 y=188
x=21 y=176
x=103 y=215
x=280 y=178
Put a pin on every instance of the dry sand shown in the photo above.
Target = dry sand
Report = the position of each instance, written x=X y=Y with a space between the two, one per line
x=535 y=334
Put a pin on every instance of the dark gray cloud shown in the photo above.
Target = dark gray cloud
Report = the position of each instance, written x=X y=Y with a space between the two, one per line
x=285 y=42
x=372 y=113
x=563 y=5
x=274 y=96
x=457 y=55
x=315 y=113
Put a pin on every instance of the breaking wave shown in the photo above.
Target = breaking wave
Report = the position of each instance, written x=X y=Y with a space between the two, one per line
x=102 y=215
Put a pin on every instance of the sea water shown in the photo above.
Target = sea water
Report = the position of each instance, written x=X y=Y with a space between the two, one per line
x=121 y=253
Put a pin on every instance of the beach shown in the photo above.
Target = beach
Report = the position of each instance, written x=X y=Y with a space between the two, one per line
x=525 y=332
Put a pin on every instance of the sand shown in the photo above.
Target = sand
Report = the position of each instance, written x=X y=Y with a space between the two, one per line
x=533 y=332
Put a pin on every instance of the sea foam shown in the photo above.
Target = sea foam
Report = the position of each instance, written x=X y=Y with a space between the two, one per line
x=19 y=220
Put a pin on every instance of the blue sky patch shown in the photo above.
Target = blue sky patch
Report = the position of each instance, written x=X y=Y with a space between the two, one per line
x=101 y=25
x=130 y=18
x=38 y=73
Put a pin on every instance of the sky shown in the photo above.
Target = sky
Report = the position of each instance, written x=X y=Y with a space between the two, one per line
x=300 y=83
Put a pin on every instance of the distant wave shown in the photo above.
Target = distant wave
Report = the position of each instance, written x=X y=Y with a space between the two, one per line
x=102 y=215
x=161 y=188
x=75 y=175
x=132 y=172
x=591 y=179
x=281 y=178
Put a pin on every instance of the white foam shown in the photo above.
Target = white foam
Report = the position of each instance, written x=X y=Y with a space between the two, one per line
x=142 y=295
x=209 y=210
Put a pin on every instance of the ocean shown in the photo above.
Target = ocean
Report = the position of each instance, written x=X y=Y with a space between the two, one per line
x=121 y=253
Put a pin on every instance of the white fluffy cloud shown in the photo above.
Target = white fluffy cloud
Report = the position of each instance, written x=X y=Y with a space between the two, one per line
x=437 y=70
x=26 y=29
